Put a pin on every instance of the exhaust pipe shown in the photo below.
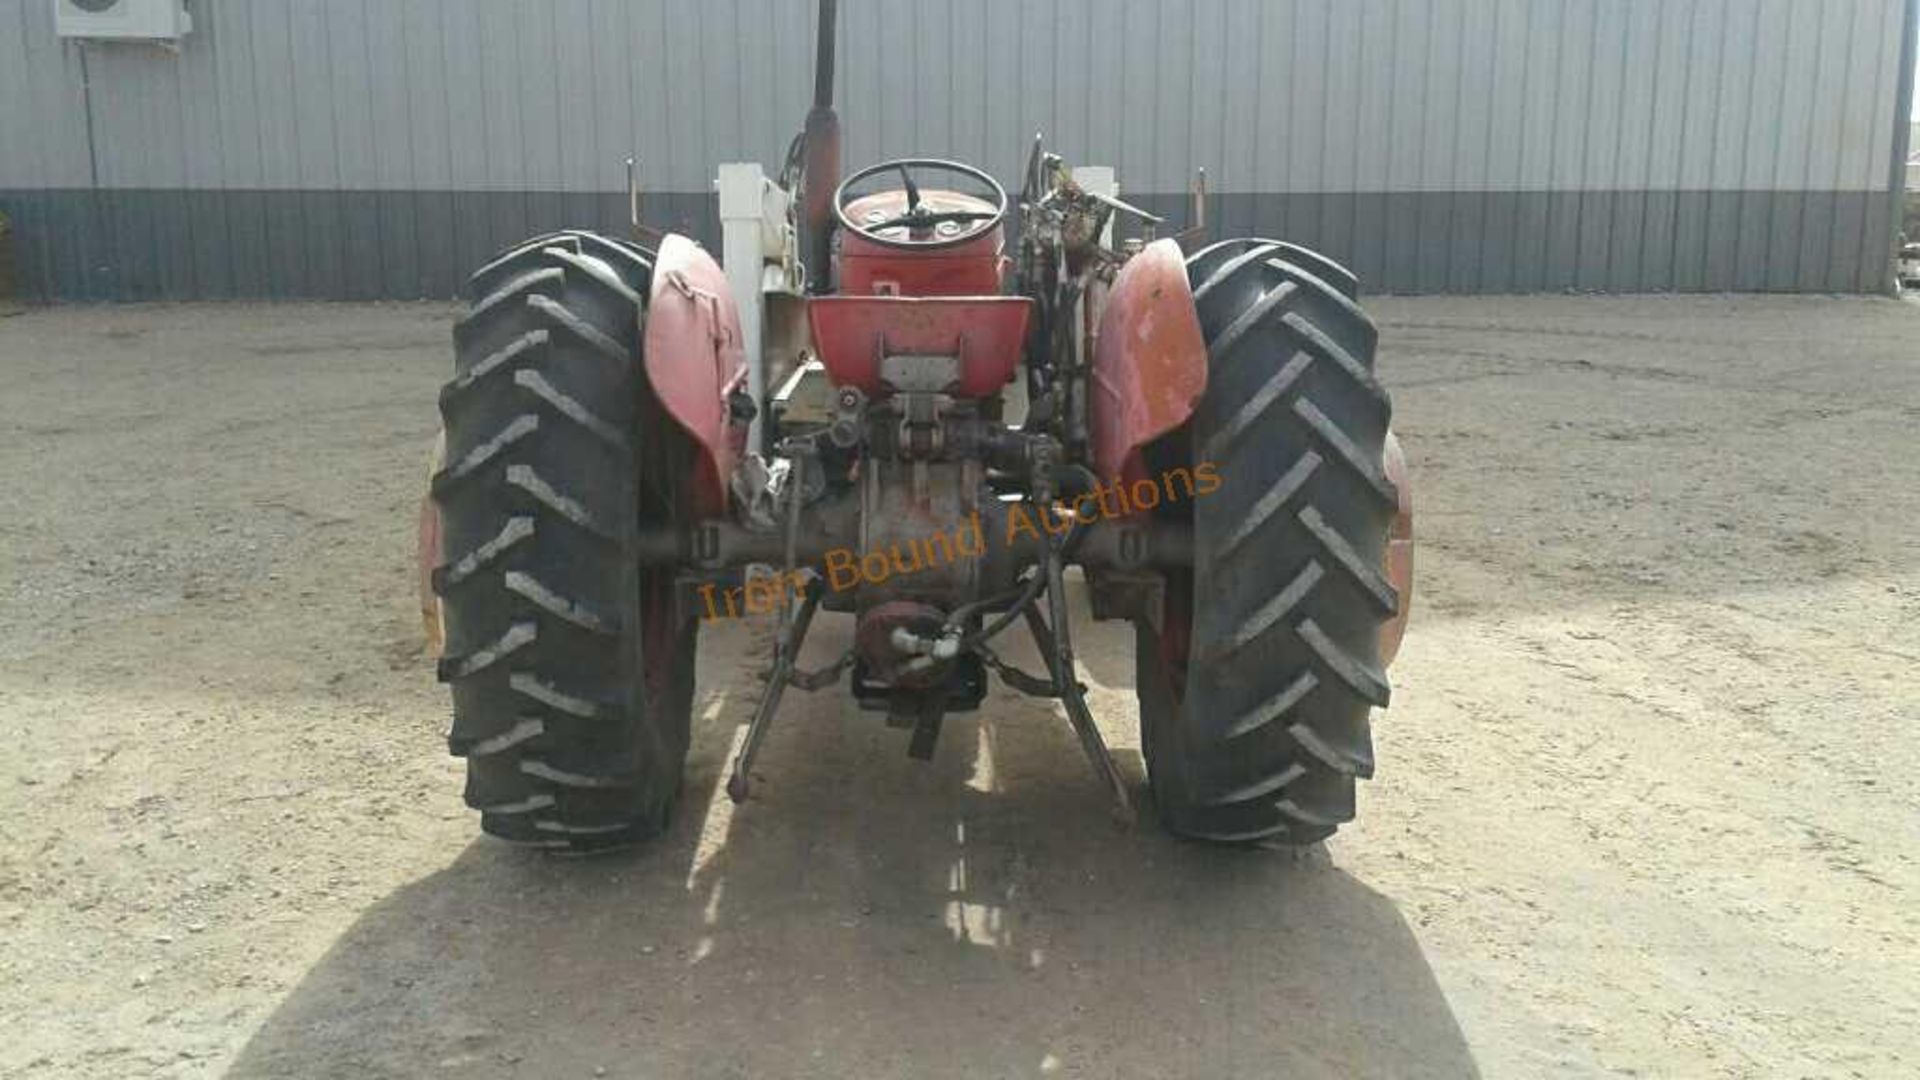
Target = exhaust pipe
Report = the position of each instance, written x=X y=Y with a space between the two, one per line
x=822 y=175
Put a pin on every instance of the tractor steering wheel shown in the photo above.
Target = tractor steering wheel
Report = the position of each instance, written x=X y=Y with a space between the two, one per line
x=941 y=219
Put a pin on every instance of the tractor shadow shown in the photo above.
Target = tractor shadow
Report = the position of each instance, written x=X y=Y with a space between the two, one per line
x=864 y=915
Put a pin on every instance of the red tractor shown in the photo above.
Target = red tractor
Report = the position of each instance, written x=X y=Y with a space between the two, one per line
x=915 y=425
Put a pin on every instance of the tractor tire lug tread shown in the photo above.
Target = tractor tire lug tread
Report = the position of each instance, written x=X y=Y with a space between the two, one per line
x=1258 y=730
x=552 y=430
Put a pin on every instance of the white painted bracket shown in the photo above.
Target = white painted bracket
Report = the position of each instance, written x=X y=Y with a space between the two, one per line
x=759 y=254
x=1101 y=180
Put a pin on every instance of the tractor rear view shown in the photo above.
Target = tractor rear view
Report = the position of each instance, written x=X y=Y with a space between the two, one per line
x=883 y=408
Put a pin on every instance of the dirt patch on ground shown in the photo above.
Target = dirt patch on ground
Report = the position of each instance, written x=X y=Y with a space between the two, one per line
x=1646 y=801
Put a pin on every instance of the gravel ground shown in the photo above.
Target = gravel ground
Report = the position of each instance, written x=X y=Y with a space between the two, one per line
x=1646 y=804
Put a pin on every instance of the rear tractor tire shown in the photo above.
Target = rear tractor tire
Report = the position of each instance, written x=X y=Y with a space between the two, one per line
x=571 y=669
x=1257 y=679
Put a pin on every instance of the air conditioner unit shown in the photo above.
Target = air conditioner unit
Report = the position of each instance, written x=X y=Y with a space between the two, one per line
x=163 y=20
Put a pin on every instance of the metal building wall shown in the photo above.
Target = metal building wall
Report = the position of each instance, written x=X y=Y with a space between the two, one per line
x=361 y=148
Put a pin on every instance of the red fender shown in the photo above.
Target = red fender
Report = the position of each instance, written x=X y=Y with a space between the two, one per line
x=1149 y=360
x=694 y=360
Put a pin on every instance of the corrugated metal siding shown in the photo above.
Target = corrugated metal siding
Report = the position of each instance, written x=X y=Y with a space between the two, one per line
x=375 y=147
